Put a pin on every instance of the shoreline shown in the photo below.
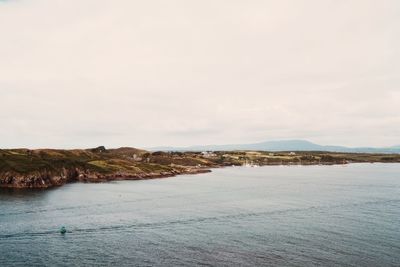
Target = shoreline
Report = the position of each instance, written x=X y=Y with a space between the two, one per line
x=38 y=182
x=193 y=171
x=45 y=168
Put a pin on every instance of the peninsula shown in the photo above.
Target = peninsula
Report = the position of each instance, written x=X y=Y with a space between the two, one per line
x=44 y=168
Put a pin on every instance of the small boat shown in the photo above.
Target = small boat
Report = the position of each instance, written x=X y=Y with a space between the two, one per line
x=63 y=230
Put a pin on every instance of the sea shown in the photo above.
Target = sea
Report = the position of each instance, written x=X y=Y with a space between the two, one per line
x=340 y=215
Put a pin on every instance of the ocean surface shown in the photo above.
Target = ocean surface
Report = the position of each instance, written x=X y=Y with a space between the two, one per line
x=268 y=216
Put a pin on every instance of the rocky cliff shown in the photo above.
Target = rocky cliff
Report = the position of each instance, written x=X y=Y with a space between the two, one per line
x=23 y=168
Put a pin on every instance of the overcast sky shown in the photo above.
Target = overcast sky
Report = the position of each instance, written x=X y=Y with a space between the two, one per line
x=149 y=73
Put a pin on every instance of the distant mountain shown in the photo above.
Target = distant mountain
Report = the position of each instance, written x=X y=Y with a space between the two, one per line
x=282 y=145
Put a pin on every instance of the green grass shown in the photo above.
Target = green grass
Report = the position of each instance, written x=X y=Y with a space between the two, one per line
x=24 y=161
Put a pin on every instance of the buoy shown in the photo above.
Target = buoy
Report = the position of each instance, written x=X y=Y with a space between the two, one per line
x=63 y=230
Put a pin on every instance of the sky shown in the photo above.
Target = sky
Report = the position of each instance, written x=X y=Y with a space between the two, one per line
x=183 y=72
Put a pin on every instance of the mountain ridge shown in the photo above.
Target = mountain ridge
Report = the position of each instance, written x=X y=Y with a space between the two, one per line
x=283 y=145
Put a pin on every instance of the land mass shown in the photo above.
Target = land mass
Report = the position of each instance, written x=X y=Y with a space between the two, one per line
x=44 y=168
x=283 y=145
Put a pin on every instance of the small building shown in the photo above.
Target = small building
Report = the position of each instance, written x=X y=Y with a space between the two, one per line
x=208 y=154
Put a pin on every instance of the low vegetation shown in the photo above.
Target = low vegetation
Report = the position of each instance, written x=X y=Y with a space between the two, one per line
x=47 y=167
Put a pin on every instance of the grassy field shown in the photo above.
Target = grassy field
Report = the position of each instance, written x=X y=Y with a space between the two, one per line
x=48 y=167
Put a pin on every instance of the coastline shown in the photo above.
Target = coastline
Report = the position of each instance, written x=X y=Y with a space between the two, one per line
x=44 y=181
x=45 y=168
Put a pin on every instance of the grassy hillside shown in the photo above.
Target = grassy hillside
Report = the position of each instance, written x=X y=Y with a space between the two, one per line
x=50 y=167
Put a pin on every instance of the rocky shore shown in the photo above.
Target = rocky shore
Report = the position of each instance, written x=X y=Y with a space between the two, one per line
x=46 y=180
x=44 y=168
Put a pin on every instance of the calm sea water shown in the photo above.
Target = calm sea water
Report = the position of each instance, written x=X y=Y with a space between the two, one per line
x=270 y=216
